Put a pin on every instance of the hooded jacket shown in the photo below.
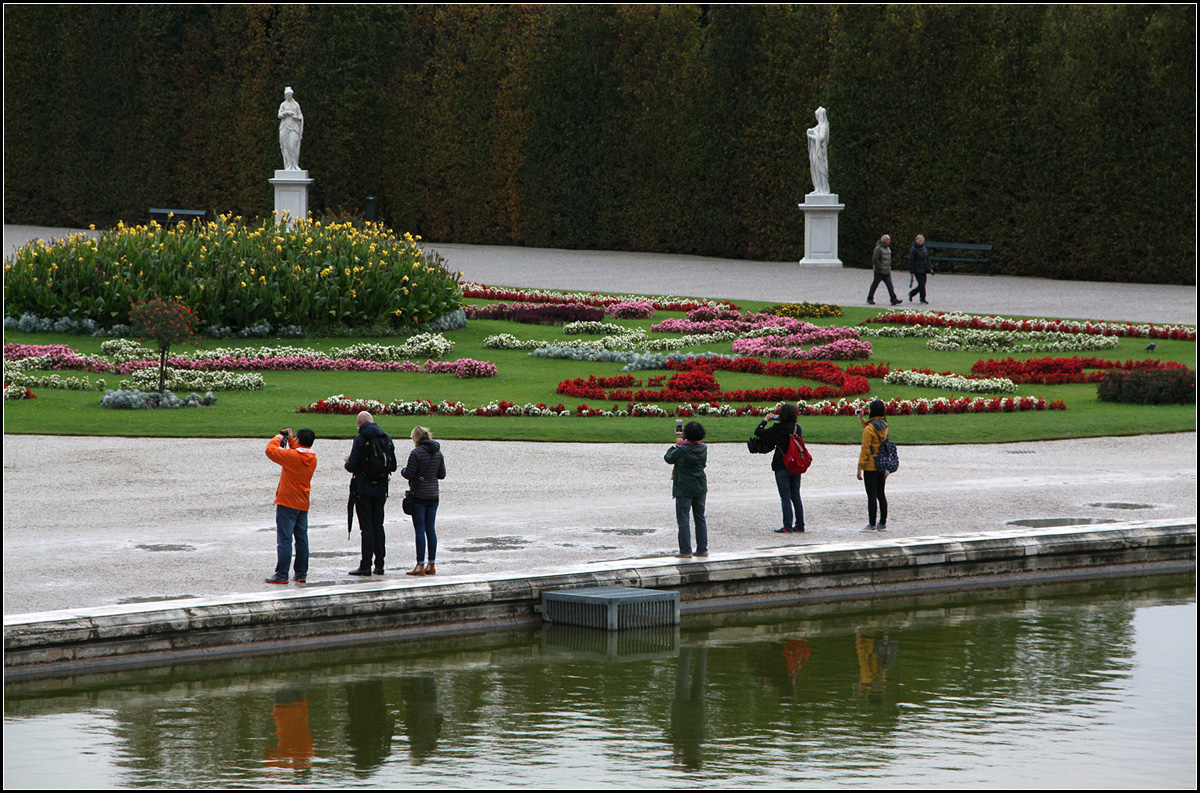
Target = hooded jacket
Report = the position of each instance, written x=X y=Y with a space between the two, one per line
x=688 y=477
x=425 y=467
x=875 y=432
x=366 y=434
x=881 y=260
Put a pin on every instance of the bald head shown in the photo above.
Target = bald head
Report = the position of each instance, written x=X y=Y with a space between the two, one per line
x=364 y=417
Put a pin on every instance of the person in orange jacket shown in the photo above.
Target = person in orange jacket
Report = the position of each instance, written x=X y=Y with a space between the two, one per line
x=299 y=461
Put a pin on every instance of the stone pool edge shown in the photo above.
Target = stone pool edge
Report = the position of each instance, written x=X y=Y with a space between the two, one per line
x=103 y=638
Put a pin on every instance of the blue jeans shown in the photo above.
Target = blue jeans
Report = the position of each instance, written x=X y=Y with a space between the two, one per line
x=789 y=499
x=423 y=518
x=289 y=522
x=694 y=505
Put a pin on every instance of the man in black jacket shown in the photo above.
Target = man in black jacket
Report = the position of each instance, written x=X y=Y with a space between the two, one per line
x=371 y=460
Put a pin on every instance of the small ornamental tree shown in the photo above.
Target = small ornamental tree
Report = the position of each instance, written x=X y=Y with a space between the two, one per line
x=167 y=322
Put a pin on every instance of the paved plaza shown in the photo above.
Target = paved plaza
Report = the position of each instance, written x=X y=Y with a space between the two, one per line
x=101 y=521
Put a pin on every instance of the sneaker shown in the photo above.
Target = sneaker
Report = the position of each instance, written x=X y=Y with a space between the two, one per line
x=684 y=555
x=881 y=527
x=701 y=553
x=870 y=302
x=277 y=579
x=301 y=579
x=869 y=527
x=361 y=571
x=784 y=530
x=897 y=302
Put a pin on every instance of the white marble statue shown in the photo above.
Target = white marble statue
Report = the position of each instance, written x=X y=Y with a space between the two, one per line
x=291 y=130
x=818 y=153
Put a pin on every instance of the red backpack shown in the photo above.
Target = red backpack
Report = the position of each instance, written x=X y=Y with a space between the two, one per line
x=797 y=460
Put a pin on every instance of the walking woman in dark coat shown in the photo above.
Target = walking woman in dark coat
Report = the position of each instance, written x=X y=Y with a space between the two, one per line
x=779 y=435
x=919 y=266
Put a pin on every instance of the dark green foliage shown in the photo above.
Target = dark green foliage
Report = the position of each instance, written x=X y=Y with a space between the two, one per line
x=1149 y=386
x=1063 y=135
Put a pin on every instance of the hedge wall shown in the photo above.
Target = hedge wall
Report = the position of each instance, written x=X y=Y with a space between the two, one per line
x=1063 y=135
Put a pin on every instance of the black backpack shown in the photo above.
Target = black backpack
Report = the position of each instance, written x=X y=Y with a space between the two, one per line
x=378 y=459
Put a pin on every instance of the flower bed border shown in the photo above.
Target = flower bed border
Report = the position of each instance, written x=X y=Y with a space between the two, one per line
x=995 y=322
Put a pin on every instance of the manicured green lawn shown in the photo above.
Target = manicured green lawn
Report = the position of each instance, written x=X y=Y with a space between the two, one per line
x=523 y=379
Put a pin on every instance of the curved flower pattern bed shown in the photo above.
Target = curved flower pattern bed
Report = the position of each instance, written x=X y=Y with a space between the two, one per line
x=1056 y=371
x=958 y=320
x=660 y=303
x=343 y=405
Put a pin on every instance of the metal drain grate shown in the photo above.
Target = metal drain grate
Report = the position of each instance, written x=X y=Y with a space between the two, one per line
x=611 y=607
x=1022 y=451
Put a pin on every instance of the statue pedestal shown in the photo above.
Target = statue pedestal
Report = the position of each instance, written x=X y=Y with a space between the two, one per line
x=291 y=194
x=821 y=230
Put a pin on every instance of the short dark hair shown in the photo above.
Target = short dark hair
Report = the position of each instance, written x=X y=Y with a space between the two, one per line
x=306 y=437
x=788 y=414
x=694 y=431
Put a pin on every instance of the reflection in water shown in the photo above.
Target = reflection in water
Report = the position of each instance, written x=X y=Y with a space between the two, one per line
x=687 y=707
x=876 y=655
x=294 y=747
x=1087 y=685
x=368 y=724
x=421 y=717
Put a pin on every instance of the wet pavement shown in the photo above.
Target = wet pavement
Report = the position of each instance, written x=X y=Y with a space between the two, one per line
x=132 y=520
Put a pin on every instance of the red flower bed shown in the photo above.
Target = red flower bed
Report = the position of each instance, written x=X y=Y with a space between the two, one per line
x=1056 y=371
x=694 y=378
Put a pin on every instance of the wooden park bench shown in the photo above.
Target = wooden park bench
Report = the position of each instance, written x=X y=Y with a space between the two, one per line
x=173 y=216
x=979 y=261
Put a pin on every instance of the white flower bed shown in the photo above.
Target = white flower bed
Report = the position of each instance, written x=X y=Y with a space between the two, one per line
x=1018 y=341
x=195 y=380
x=951 y=382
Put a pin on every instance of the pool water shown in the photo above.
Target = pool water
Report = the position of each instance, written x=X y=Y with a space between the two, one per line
x=1086 y=685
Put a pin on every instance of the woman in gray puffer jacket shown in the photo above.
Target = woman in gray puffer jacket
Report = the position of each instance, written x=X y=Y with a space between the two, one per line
x=425 y=467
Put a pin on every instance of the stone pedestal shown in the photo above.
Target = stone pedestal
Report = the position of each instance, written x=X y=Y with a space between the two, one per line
x=291 y=194
x=821 y=230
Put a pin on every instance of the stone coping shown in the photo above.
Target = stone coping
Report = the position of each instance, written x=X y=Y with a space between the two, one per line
x=830 y=565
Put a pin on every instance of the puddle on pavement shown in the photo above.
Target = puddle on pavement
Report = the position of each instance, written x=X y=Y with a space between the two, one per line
x=156 y=548
x=627 y=532
x=154 y=599
x=1046 y=523
x=1116 y=505
x=492 y=544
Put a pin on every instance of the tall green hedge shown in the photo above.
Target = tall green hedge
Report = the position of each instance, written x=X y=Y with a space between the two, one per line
x=1063 y=135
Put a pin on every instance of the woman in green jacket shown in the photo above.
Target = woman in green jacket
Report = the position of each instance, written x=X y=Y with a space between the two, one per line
x=690 y=487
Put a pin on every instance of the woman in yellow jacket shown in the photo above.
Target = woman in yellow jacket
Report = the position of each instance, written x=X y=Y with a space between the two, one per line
x=875 y=432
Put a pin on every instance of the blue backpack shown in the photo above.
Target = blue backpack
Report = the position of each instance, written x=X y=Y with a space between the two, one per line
x=887 y=459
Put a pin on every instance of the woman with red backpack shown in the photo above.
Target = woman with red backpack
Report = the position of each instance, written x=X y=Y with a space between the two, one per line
x=780 y=435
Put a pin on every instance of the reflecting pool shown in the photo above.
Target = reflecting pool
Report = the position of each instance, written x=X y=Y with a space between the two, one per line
x=1090 y=685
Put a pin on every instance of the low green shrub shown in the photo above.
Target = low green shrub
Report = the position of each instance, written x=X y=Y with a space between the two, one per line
x=1149 y=386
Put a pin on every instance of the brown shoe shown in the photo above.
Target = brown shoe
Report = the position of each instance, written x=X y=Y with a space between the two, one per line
x=429 y=569
x=418 y=570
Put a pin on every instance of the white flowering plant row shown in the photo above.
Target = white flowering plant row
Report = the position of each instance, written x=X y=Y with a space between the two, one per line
x=948 y=319
x=972 y=340
x=951 y=382
x=195 y=380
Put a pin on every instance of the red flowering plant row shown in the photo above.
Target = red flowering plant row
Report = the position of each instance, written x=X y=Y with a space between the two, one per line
x=958 y=320
x=694 y=378
x=1055 y=371
x=660 y=303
